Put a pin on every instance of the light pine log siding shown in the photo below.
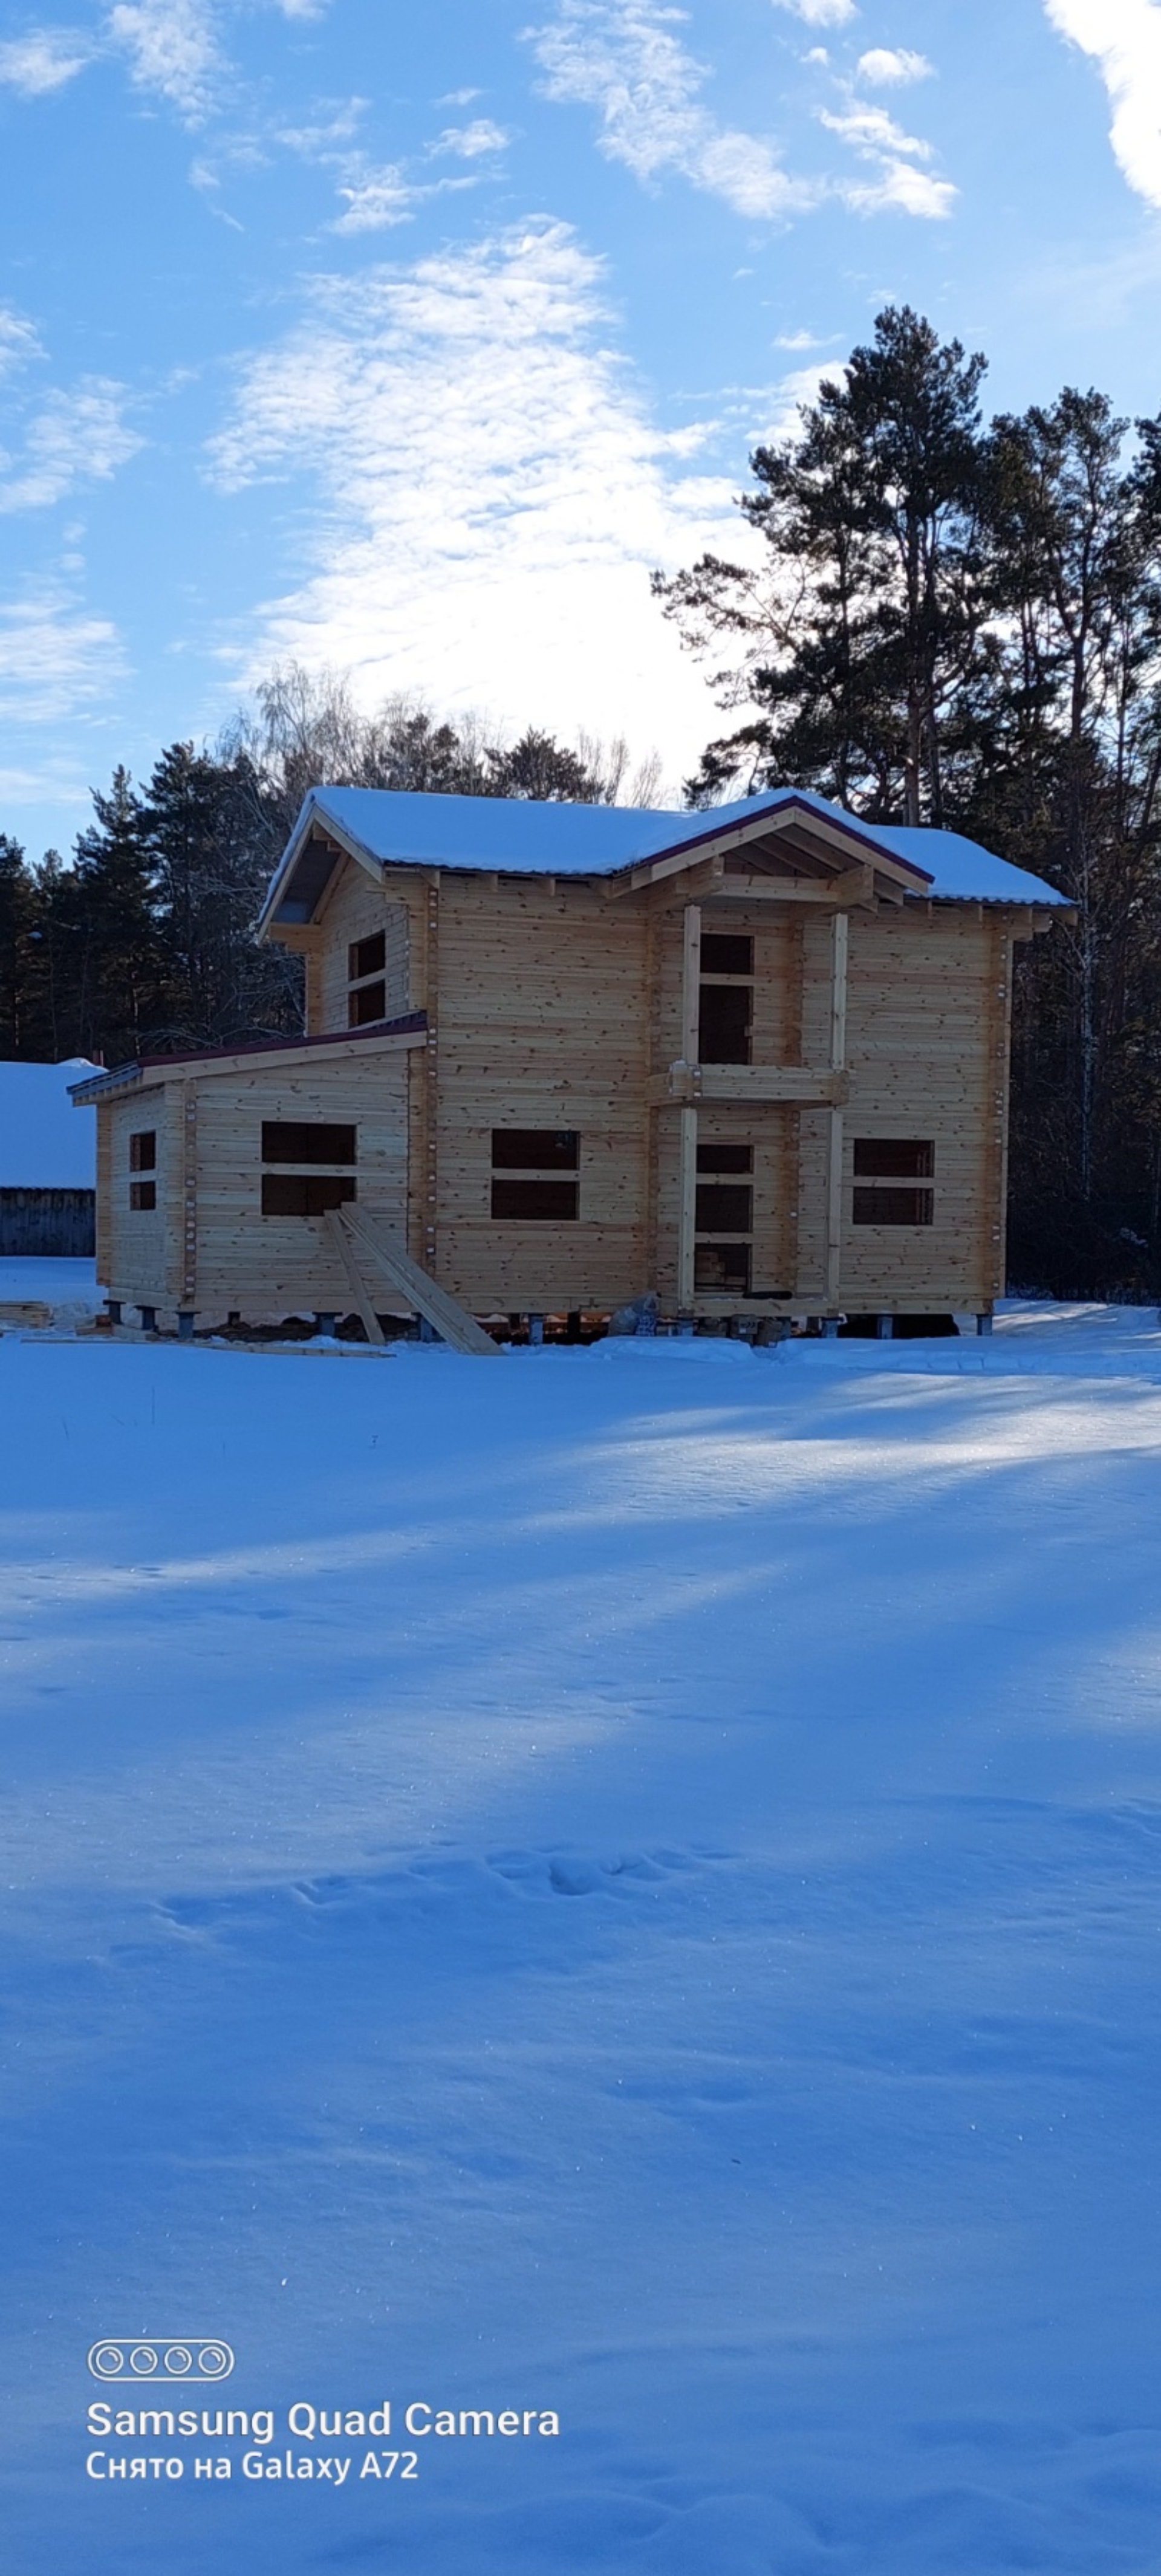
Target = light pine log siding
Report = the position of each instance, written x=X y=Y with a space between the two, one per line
x=355 y=908
x=245 y=1259
x=137 y=1245
x=555 y=1004
x=542 y=1023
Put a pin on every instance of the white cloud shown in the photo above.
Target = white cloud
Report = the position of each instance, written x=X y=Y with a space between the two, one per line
x=18 y=340
x=621 y=57
x=43 y=60
x=892 y=67
x=78 y=437
x=897 y=186
x=493 y=495
x=375 y=199
x=173 y=50
x=54 y=659
x=468 y=142
x=1124 y=37
x=821 y=13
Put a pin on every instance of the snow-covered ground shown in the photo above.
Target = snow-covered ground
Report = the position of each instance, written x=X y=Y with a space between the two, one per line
x=623 y=1883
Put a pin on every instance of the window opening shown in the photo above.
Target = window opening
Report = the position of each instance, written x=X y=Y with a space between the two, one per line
x=726 y=998
x=894 y=1158
x=722 y=1269
x=367 y=957
x=142 y=1194
x=304 y=1193
x=881 y=1163
x=143 y=1150
x=307 y=1142
x=367 y=1000
x=726 y=952
x=725 y=1158
x=526 y=1165
x=894 y=1207
x=313 y=1142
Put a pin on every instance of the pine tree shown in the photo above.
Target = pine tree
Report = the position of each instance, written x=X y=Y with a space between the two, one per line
x=860 y=633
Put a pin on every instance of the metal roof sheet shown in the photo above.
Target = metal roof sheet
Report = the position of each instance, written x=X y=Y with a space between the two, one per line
x=526 y=837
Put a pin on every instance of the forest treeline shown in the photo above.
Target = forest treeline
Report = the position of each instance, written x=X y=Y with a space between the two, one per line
x=936 y=619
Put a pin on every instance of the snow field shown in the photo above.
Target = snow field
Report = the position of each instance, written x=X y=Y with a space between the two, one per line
x=625 y=1883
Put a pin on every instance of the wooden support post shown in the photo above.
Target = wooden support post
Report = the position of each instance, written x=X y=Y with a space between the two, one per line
x=185 y=1324
x=324 y=1326
x=687 y=1220
x=148 y=1316
x=691 y=986
x=983 y=1325
x=536 y=1331
x=840 y=942
x=885 y=1328
x=113 y=1309
x=189 y=1191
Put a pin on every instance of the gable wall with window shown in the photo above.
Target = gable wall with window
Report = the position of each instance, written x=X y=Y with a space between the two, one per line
x=357 y=910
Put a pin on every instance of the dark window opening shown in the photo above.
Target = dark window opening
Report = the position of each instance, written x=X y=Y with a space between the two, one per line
x=143 y=1150
x=365 y=1003
x=142 y=1194
x=894 y=1207
x=367 y=957
x=535 y=1149
x=724 y=1208
x=724 y=953
x=894 y=1158
x=304 y=1193
x=302 y=1143
x=724 y=1023
x=536 y=1202
x=721 y=1269
x=725 y=1158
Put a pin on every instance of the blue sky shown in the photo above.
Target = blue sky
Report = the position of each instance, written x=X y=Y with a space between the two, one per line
x=406 y=340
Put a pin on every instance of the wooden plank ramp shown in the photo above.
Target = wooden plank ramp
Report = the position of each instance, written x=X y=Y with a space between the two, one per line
x=355 y=1280
x=450 y=1320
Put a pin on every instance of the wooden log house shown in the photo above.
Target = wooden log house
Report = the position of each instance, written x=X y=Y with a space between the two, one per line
x=753 y=1059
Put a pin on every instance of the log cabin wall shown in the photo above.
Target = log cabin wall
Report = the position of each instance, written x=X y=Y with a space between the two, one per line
x=135 y=1228
x=556 y=1009
x=356 y=910
x=542 y=1026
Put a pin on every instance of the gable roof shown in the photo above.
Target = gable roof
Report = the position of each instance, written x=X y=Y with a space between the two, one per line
x=523 y=837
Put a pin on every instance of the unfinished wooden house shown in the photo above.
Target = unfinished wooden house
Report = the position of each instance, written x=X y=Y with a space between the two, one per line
x=753 y=1059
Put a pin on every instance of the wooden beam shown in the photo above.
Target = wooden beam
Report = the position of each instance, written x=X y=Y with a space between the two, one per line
x=447 y=1318
x=839 y=956
x=691 y=985
x=834 y=1208
x=188 y=1111
x=687 y=1221
x=355 y=1280
x=803 y=1086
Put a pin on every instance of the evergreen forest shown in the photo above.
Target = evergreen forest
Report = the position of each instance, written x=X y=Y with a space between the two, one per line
x=934 y=617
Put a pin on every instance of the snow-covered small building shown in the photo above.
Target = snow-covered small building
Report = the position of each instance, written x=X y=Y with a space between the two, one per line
x=752 y=1060
x=47 y=1162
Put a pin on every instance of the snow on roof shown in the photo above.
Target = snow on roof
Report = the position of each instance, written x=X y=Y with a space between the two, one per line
x=528 y=837
x=42 y=1145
